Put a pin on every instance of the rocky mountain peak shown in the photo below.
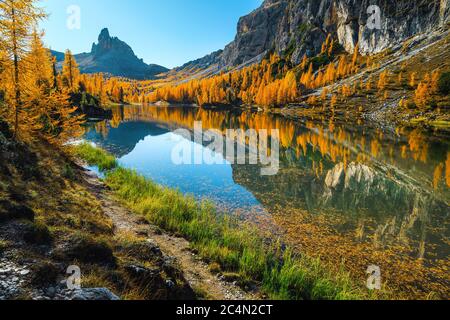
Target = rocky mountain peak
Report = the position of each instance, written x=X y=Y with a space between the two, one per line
x=300 y=26
x=114 y=57
x=107 y=44
x=104 y=36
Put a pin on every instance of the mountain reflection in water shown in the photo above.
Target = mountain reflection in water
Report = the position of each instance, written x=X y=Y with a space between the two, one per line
x=343 y=189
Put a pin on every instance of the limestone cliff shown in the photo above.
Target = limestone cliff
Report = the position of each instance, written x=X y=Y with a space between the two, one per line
x=300 y=26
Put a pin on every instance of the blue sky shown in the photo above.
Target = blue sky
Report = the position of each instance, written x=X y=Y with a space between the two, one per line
x=166 y=32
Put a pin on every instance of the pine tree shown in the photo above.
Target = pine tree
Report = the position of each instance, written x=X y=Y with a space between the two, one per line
x=102 y=95
x=3 y=77
x=291 y=84
x=70 y=72
x=324 y=94
x=412 y=80
x=304 y=62
x=312 y=100
x=39 y=64
x=307 y=77
x=400 y=78
x=48 y=109
x=331 y=49
x=434 y=85
x=18 y=19
x=383 y=80
x=334 y=101
x=39 y=80
x=341 y=71
x=422 y=94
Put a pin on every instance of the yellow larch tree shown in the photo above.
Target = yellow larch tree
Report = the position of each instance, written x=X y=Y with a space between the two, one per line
x=70 y=72
x=355 y=57
x=48 y=109
x=400 y=78
x=434 y=85
x=422 y=94
x=324 y=95
x=369 y=84
x=304 y=62
x=334 y=101
x=18 y=18
x=383 y=80
x=412 y=80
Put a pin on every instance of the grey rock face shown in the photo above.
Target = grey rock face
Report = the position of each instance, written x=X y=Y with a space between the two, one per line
x=95 y=294
x=302 y=26
x=202 y=63
x=12 y=277
x=257 y=32
x=113 y=56
x=61 y=293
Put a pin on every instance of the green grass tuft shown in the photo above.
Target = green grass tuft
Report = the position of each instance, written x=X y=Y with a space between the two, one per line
x=232 y=244
x=96 y=156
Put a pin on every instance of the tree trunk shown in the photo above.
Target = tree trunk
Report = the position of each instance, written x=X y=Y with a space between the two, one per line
x=18 y=102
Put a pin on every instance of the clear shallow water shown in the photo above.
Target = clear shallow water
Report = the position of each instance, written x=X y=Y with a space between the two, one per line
x=152 y=157
x=343 y=189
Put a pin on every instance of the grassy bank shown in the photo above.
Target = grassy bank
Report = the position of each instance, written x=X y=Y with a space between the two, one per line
x=95 y=157
x=231 y=244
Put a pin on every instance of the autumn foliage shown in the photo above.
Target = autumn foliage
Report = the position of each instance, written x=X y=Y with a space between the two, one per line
x=269 y=83
x=426 y=88
x=258 y=84
x=32 y=101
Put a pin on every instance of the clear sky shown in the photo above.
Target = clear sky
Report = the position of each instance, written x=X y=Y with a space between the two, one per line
x=165 y=32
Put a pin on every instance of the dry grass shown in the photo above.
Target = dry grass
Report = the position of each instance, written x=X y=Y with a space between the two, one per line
x=65 y=212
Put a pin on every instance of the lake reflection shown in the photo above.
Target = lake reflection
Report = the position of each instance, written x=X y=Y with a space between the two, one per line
x=343 y=190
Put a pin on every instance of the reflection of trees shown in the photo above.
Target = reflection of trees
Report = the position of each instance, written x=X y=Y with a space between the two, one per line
x=102 y=129
x=418 y=146
x=367 y=201
x=390 y=187
x=333 y=140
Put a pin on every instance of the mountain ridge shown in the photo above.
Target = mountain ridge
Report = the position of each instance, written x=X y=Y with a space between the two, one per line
x=299 y=27
x=114 y=57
